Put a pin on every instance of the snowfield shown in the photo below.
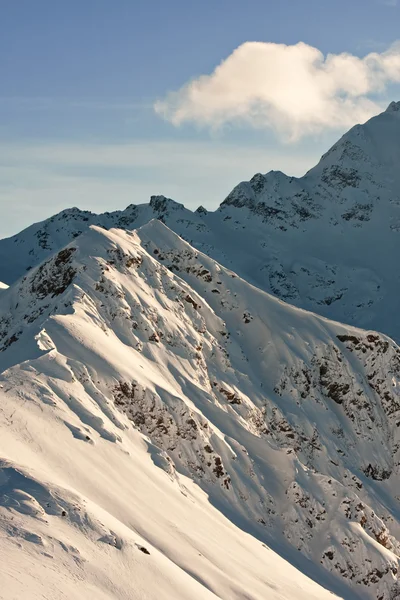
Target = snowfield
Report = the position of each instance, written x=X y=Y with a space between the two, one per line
x=92 y=518
x=168 y=430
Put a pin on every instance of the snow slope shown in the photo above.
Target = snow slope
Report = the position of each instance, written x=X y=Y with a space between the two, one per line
x=327 y=242
x=154 y=401
x=90 y=518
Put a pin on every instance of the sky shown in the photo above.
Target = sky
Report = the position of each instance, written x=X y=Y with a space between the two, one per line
x=104 y=103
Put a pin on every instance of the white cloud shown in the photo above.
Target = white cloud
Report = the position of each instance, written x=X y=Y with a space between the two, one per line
x=295 y=90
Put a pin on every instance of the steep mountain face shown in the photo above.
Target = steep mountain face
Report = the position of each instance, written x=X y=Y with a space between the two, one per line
x=326 y=242
x=167 y=423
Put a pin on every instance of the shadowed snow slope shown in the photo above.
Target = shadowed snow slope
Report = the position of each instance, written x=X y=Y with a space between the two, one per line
x=167 y=430
x=327 y=242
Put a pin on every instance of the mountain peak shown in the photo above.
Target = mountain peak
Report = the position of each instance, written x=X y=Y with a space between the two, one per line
x=162 y=204
x=393 y=107
x=201 y=210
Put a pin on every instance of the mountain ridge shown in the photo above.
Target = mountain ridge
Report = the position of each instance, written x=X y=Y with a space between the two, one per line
x=139 y=332
x=307 y=240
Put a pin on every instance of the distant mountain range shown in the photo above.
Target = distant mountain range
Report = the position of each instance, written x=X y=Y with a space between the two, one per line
x=326 y=242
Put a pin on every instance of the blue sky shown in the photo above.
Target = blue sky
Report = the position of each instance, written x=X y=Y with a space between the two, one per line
x=79 y=81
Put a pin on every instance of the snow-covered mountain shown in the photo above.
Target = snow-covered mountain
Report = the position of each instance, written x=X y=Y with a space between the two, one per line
x=326 y=242
x=167 y=430
x=27 y=249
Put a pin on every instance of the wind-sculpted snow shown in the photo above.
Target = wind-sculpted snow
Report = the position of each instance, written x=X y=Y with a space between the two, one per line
x=167 y=423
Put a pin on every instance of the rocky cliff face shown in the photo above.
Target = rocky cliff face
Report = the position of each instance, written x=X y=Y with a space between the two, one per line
x=286 y=421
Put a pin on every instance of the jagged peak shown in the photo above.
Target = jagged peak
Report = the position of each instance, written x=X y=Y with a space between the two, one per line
x=257 y=177
x=201 y=210
x=394 y=107
x=73 y=211
x=161 y=204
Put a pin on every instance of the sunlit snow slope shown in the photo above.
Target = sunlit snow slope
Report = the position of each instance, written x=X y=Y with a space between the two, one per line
x=170 y=431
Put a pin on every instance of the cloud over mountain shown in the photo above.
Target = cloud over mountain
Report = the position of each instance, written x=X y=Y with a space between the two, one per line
x=295 y=90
